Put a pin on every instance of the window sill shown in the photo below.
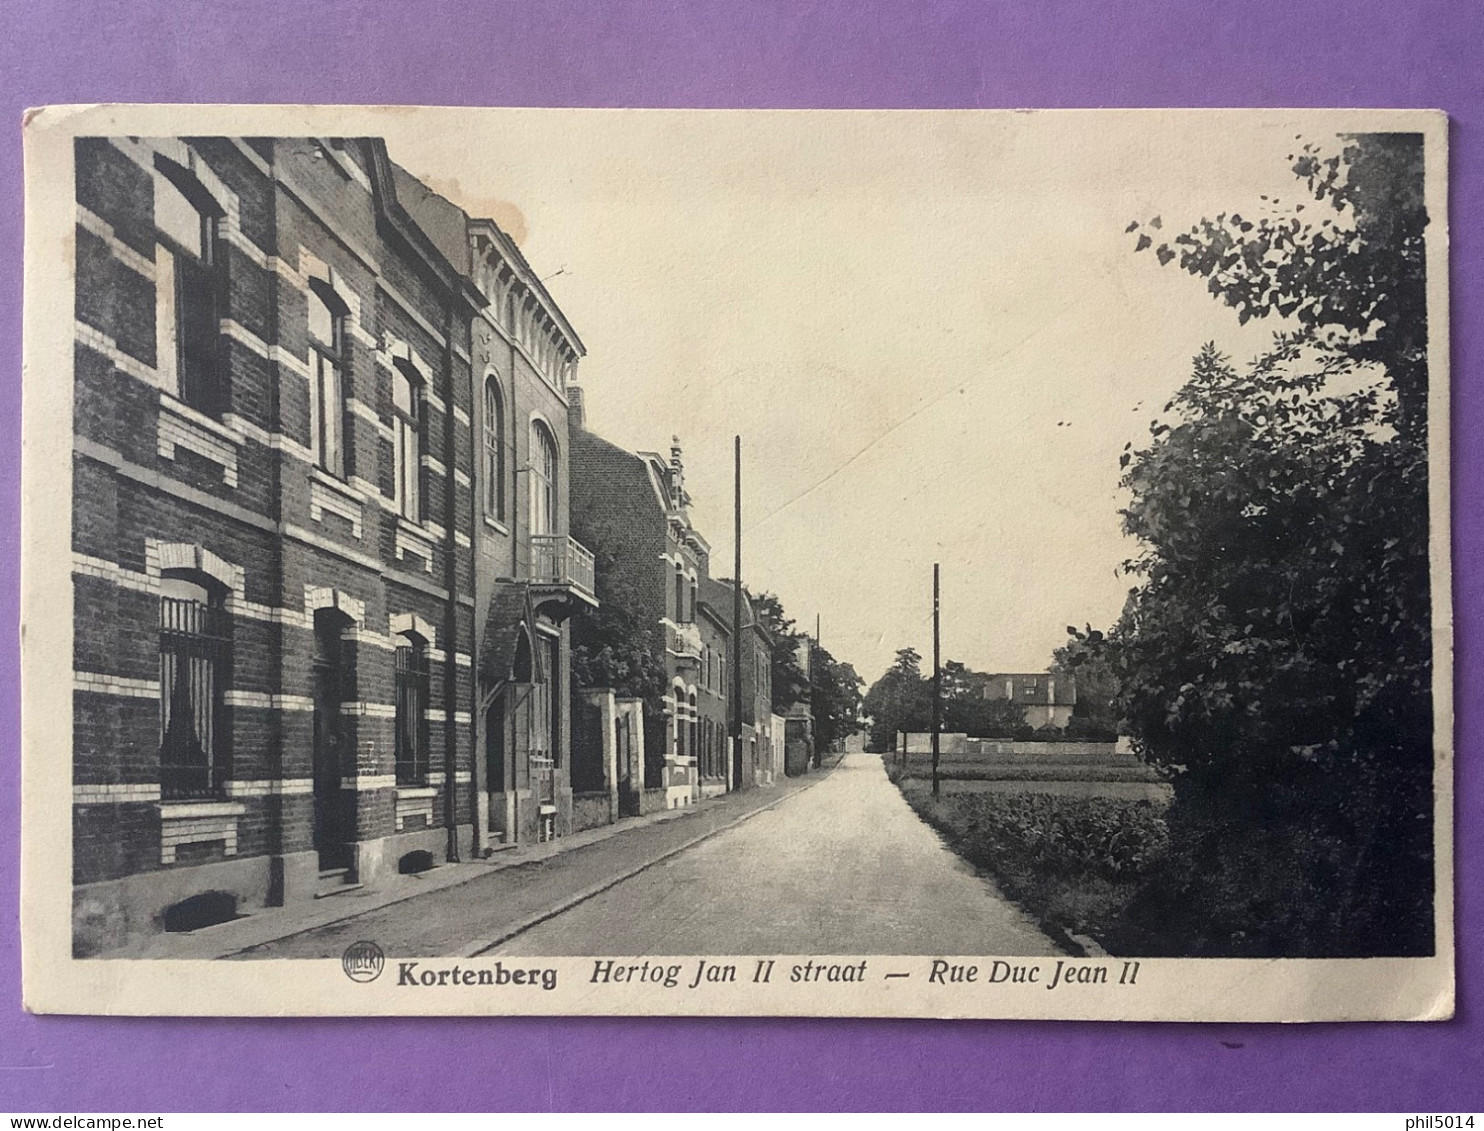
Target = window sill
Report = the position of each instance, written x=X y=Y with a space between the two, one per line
x=496 y=524
x=411 y=792
x=195 y=416
x=185 y=810
x=333 y=482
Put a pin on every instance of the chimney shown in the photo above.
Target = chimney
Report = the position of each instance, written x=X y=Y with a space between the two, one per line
x=576 y=411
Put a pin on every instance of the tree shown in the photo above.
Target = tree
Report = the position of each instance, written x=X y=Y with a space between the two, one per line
x=1097 y=685
x=612 y=647
x=835 y=695
x=1276 y=653
x=790 y=684
x=901 y=700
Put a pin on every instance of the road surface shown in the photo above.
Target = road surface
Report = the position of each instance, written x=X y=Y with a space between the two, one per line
x=844 y=867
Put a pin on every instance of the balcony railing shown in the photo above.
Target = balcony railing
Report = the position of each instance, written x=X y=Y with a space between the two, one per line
x=557 y=559
x=685 y=640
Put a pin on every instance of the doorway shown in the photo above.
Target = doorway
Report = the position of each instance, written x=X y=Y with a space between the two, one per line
x=332 y=832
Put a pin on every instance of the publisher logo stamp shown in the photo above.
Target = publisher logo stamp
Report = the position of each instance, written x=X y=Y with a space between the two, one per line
x=362 y=961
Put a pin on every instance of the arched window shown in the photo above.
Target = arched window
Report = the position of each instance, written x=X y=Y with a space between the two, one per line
x=543 y=480
x=411 y=664
x=187 y=288
x=327 y=378
x=494 y=450
x=407 y=412
x=195 y=656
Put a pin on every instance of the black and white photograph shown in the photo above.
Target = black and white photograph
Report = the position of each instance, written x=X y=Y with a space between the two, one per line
x=978 y=563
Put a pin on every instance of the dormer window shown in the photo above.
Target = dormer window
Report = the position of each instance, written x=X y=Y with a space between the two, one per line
x=187 y=288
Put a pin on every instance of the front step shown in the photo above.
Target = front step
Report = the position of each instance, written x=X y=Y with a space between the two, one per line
x=335 y=881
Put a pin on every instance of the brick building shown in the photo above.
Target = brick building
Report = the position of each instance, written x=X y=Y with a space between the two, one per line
x=632 y=509
x=754 y=763
x=715 y=765
x=531 y=574
x=272 y=546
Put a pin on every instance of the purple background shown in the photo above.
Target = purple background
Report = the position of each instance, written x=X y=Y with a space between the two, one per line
x=840 y=53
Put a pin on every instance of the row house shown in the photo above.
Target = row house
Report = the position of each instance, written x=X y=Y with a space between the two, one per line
x=529 y=573
x=711 y=726
x=273 y=541
x=756 y=760
x=632 y=509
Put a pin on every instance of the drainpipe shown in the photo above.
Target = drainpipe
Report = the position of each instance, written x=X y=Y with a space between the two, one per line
x=451 y=583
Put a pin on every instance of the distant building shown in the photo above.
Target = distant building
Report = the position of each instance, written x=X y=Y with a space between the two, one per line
x=715 y=766
x=752 y=763
x=1046 y=697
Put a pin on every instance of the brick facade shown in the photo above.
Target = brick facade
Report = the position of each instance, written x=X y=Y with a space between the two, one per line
x=310 y=538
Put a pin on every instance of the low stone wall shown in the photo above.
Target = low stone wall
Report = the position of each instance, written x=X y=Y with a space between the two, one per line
x=590 y=810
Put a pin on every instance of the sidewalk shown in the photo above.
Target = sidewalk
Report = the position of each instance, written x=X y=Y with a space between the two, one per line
x=514 y=888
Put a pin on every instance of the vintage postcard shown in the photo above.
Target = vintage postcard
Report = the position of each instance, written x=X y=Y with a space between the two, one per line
x=921 y=564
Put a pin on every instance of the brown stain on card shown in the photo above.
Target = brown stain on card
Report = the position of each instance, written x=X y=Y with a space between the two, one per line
x=503 y=212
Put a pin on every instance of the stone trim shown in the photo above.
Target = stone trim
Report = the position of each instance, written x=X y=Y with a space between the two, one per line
x=414 y=540
x=101 y=684
x=100 y=342
x=139 y=264
x=416 y=801
x=329 y=494
x=267 y=701
x=182 y=426
x=279 y=787
x=110 y=793
x=198 y=822
x=369 y=783
x=363 y=709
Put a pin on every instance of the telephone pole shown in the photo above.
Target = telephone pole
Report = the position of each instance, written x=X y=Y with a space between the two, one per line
x=937 y=682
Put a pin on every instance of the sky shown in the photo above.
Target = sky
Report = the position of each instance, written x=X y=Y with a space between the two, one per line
x=930 y=330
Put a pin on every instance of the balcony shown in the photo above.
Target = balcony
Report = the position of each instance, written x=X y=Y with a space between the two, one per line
x=685 y=641
x=562 y=566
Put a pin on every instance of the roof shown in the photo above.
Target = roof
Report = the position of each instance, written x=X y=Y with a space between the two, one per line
x=1064 y=690
x=718 y=591
x=507 y=619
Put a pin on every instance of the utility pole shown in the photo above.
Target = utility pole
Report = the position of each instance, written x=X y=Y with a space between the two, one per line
x=736 y=694
x=937 y=682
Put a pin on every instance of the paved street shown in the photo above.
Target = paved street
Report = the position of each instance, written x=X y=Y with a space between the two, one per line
x=843 y=868
x=838 y=865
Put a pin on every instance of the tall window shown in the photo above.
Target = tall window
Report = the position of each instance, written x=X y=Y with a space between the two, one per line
x=543 y=479
x=407 y=420
x=695 y=728
x=327 y=375
x=494 y=450
x=187 y=289
x=412 y=711
x=679 y=594
x=195 y=653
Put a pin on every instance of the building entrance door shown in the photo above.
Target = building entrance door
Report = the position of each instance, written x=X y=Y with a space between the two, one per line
x=331 y=816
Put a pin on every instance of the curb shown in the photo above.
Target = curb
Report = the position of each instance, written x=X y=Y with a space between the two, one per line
x=524 y=925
